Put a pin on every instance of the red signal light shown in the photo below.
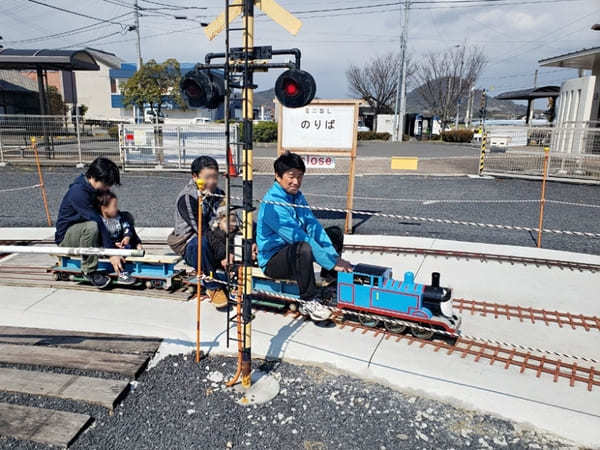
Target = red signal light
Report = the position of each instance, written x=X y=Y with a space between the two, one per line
x=291 y=88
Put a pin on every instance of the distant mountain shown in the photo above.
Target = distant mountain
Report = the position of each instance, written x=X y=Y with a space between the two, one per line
x=496 y=109
x=264 y=98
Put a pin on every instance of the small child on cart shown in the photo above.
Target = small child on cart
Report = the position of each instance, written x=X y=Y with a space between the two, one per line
x=216 y=237
x=120 y=226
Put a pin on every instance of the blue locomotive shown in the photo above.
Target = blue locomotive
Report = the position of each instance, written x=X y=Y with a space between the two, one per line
x=373 y=290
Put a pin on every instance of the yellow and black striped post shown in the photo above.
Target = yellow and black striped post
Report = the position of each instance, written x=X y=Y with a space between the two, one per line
x=483 y=146
x=248 y=116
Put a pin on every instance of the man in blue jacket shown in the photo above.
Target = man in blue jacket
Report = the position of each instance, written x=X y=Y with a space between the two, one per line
x=79 y=223
x=290 y=239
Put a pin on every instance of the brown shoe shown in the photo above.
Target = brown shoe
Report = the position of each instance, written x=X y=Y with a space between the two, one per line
x=217 y=297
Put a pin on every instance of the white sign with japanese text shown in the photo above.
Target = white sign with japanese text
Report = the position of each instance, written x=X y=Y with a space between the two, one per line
x=318 y=162
x=318 y=126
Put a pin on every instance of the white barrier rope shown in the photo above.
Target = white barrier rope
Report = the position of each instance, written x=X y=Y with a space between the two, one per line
x=433 y=201
x=413 y=324
x=428 y=219
x=20 y=188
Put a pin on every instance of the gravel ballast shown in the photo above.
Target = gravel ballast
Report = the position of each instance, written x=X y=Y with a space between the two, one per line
x=182 y=404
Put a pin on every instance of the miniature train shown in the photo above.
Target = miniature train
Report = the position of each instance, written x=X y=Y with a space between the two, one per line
x=153 y=271
x=370 y=292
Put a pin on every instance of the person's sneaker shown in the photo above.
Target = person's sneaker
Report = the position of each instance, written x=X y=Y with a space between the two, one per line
x=97 y=279
x=217 y=297
x=315 y=310
x=125 y=278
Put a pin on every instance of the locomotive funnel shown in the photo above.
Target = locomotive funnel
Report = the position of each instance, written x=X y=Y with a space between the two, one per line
x=435 y=279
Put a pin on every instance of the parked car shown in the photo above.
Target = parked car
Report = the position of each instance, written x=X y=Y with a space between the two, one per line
x=200 y=120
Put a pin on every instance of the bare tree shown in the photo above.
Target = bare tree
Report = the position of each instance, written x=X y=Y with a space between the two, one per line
x=375 y=82
x=447 y=76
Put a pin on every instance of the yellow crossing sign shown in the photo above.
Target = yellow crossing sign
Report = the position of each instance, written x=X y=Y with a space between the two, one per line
x=271 y=8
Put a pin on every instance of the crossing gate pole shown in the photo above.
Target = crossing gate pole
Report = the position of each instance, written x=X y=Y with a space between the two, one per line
x=248 y=115
x=483 y=146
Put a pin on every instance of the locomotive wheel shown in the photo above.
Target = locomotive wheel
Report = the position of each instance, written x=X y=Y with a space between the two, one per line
x=394 y=327
x=368 y=321
x=420 y=333
x=293 y=307
x=149 y=284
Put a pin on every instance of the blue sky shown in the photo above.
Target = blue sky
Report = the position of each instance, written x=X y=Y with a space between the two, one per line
x=513 y=36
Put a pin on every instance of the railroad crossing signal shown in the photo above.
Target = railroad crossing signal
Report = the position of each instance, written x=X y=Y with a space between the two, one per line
x=295 y=88
x=271 y=8
x=203 y=88
x=483 y=106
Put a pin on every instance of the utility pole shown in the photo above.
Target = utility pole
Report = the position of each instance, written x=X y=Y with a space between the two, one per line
x=399 y=121
x=136 y=10
x=531 y=108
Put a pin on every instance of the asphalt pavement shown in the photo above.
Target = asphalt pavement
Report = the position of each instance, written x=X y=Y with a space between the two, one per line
x=181 y=404
x=150 y=198
x=430 y=149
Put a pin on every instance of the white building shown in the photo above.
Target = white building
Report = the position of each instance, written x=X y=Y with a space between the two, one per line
x=579 y=99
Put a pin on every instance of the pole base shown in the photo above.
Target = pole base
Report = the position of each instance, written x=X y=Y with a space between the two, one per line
x=264 y=388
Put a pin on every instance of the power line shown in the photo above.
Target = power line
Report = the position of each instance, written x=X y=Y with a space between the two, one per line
x=67 y=33
x=79 y=44
x=176 y=7
x=75 y=13
x=452 y=4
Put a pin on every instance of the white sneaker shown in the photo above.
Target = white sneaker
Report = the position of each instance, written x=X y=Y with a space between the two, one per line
x=315 y=310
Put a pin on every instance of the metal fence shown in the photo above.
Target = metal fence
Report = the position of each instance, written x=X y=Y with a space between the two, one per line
x=63 y=139
x=574 y=152
x=74 y=140
x=171 y=146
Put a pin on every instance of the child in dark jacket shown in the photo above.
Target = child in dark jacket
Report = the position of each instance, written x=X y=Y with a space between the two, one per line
x=120 y=227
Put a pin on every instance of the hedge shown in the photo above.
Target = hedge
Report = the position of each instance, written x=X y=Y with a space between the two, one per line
x=457 y=135
x=372 y=135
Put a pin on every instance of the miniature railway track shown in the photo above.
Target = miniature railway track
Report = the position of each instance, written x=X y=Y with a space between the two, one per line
x=524 y=260
x=509 y=357
x=38 y=276
x=481 y=351
x=527 y=314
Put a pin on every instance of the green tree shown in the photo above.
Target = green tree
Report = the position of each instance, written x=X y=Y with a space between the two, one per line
x=56 y=105
x=152 y=83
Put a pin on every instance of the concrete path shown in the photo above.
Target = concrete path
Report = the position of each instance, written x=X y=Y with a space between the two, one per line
x=573 y=412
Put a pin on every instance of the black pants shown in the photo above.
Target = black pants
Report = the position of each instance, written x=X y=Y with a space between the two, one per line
x=295 y=261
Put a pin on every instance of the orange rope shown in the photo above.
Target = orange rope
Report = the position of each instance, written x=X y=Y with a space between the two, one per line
x=42 y=187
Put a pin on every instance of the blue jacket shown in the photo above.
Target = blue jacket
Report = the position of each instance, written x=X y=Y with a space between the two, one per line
x=280 y=225
x=78 y=205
